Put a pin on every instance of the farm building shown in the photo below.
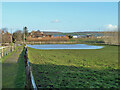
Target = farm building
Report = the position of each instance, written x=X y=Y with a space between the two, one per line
x=38 y=34
x=75 y=36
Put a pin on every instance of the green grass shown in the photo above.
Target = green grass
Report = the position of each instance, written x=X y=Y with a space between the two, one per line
x=13 y=70
x=75 y=68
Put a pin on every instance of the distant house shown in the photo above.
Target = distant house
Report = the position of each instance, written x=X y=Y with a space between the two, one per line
x=81 y=36
x=75 y=36
x=38 y=34
x=99 y=37
x=89 y=36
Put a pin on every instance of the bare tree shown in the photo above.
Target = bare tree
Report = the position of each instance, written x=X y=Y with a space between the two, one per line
x=6 y=36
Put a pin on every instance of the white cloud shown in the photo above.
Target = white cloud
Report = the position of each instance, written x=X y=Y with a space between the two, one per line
x=55 y=21
x=111 y=27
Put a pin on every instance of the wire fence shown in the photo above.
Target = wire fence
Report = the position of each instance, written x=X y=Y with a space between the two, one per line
x=30 y=82
x=5 y=50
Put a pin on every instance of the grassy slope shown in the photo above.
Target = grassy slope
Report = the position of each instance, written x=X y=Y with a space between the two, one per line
x=13 y=74
x=75 y=68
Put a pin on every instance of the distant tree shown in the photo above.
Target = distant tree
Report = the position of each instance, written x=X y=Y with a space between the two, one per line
x=66 y=35
x=17 y=36
x=70 y=36
x=6 y=36
x=4 y=30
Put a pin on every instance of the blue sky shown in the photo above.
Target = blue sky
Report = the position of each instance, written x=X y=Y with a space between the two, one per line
x=60 y=16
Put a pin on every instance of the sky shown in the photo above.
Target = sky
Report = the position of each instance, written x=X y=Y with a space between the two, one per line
x=60 y=0
x=60 y=16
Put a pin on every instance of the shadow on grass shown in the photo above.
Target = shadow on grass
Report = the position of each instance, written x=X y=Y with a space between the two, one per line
x=13 y=73
x=60 y=76
x=20 y=77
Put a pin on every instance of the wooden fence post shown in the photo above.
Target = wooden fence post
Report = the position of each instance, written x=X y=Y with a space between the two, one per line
x=0 y=56
x=5 y=51
x=14 y=46
x=9 y=49
x=30 y=83
x=2 y=52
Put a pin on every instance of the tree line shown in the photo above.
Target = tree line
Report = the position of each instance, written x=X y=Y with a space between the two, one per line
x=21 y=35
x=17 y=36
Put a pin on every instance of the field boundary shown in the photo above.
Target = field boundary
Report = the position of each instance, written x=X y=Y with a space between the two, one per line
x=6 y=50
x=30 y=82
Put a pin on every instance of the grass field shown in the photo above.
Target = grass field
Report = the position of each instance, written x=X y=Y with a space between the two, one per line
x=75 y=68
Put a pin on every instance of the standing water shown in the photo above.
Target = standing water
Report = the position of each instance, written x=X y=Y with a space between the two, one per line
x=65 y=46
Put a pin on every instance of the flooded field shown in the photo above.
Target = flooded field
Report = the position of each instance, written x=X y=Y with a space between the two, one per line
x=65 y=46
